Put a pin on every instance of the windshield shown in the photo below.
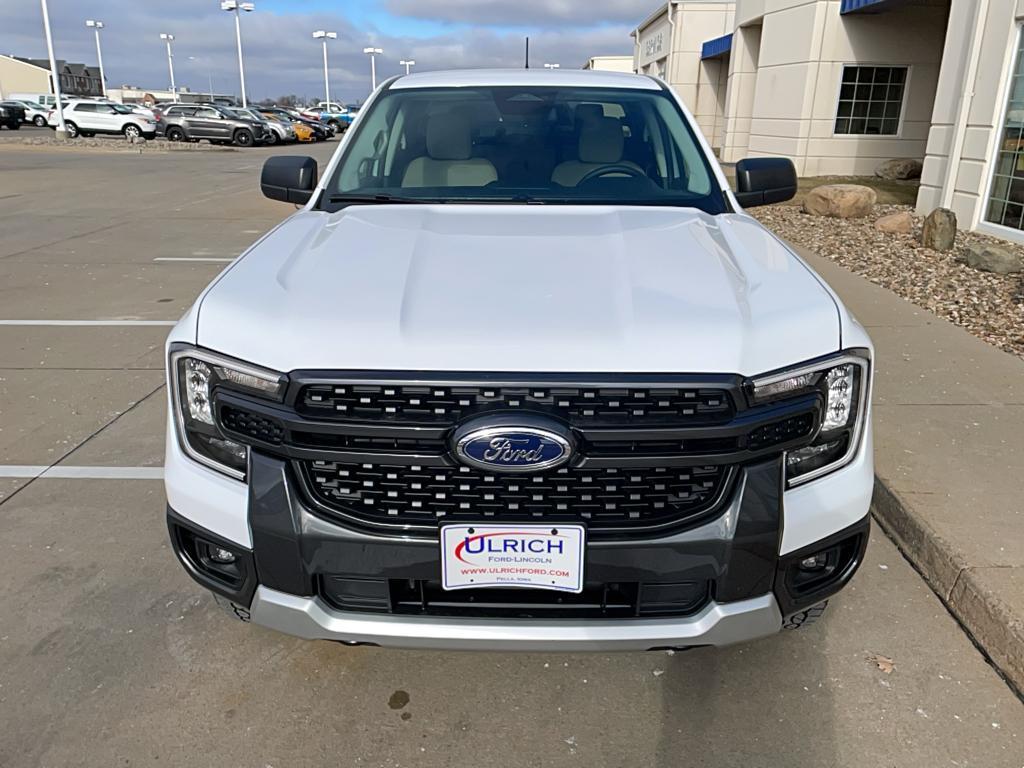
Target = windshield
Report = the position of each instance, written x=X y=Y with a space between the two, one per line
x=121 y=109
x=566 y=145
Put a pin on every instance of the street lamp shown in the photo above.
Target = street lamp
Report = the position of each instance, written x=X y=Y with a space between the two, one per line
x=97 y=26
x=236 y=7
x=209 y=73
x=325 y=36
x=407 y=64
x=373 y=53
x=62 y=129
x=552 y=66
x=170 y=63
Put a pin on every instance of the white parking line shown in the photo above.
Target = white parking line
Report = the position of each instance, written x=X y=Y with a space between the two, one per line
x=165 y=323
x=191 y=258
x=82 y=473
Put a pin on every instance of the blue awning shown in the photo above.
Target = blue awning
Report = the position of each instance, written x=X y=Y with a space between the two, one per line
x=716 y=47
x=864 y=6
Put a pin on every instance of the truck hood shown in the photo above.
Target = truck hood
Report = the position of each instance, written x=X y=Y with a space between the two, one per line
x=520 y=288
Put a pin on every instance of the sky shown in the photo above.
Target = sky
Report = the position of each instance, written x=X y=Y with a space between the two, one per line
x=281 y=56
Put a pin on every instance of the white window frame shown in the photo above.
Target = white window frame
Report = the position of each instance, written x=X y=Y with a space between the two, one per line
x=982 y=224
x=903 y=104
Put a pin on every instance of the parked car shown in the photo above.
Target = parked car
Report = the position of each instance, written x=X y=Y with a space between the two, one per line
x=336 y=116
x=303 y=132
x=90 y=117
x=12 y=115
x=566 y=394
x=46 y=99
x=276 y=131
x=35 y=113
x=192 y=122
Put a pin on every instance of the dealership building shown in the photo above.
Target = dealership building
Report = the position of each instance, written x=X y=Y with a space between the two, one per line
x=840 y=86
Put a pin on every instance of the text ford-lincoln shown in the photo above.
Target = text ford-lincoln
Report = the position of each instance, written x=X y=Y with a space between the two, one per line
x=521 y=374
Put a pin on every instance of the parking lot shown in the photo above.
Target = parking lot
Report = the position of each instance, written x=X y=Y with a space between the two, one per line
x=111 y=655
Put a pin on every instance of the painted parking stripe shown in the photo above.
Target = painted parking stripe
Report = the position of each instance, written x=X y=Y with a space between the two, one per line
x=192 y=258
x=114 y=323
x=82 y=473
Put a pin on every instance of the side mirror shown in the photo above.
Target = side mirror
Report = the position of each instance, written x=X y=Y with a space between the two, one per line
x=289 y=178
x=765 y=180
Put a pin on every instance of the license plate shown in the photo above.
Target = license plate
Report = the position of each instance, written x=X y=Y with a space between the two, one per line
x=528 y=556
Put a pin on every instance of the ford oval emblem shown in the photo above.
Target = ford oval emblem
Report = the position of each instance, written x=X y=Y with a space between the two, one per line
x=513 y=449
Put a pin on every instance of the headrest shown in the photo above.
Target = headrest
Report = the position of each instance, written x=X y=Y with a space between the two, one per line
x=449 y=137
x=588 y=113
x=601 y=141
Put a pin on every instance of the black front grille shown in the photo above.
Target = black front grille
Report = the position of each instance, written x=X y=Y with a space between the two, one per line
x=603 y=498
x=251 y=424
x=578 y=405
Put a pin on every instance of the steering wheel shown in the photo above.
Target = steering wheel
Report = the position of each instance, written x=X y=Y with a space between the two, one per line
x=608 y=170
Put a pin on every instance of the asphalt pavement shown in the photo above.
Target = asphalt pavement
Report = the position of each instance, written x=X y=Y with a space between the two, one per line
x=110 y=655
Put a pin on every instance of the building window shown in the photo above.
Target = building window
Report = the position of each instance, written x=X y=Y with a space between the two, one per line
x=871 y=100
x=1006 y=201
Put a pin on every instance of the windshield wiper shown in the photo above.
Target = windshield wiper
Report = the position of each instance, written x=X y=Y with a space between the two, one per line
x=356 y=199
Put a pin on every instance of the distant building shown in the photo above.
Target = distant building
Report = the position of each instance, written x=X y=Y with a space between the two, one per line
x=839 y=86
x=133 y=94
x=610 y=63
x=22 y=75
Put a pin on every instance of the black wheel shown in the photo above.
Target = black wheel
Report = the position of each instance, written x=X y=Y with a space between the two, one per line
x=71 y=129
x=271 y=139
x=40 y=121
x=244 y=138
x=175 y=134
x=806 y=617
x=131 y=131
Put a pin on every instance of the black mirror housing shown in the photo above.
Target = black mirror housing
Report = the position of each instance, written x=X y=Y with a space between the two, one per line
x=289 y=178
x=765 y=180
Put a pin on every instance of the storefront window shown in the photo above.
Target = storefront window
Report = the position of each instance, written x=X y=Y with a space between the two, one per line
x=1006 y=201
x=870 y=100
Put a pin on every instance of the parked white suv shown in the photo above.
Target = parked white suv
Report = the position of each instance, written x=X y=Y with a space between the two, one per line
x=522 y=374
x=88 y=118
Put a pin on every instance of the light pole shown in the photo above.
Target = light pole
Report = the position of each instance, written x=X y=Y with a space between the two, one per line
x=407 y=64
x=209 y=72
x=62 y=129
x=237 y=7
x=373 y=53
x=325 y=36
x=96 y=27
x=170 y=63
x=552 y=66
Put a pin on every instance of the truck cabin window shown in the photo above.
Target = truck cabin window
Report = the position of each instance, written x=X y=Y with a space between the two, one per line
x=525 y=145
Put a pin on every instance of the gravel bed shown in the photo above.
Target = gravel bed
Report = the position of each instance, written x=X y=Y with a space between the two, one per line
x=114 y=144
x=990 y=306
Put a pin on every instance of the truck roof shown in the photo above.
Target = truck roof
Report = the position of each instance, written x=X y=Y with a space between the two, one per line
x=576 y=78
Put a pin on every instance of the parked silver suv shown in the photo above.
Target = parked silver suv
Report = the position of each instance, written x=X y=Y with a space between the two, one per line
x=192 y=122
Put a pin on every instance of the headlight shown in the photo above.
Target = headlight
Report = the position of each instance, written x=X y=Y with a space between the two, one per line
x=843 y=383
x=195 y=376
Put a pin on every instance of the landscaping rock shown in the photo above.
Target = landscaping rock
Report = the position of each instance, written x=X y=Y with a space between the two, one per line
x=939 y=231
x=990 y=258
x=900 y=168
x=896 y=223
x=841 y=201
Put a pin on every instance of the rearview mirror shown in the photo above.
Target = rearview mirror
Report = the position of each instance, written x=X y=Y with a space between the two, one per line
x=765 y=180
x=289 y=179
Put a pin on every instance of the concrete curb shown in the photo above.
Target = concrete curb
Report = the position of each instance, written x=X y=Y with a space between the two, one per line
x=992 y=624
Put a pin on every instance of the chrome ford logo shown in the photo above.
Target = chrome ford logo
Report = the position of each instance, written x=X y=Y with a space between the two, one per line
x=513 y=448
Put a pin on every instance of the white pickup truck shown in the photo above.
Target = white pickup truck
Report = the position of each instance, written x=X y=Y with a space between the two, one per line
x=520 y=375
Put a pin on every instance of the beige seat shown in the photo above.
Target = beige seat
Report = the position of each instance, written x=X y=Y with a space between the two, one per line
x=448 y=162
x=601 y=144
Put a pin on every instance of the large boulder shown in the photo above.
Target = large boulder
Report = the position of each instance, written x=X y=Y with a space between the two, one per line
x=897 y=223
x=991 y=258
x=900 y=168
x=841 y=201
x=939 y=230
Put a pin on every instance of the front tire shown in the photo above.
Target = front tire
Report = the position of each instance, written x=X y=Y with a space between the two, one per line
x=175 y=134
x=271 y=139
x=131 y=131
x=71 y=128
x=39 y=121
x=244 y=138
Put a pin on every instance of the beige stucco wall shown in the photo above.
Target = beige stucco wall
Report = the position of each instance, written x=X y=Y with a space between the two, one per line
x=675 y=47
x=986 y=96
x=610 y=63
x=793 y=96
x=19 y=77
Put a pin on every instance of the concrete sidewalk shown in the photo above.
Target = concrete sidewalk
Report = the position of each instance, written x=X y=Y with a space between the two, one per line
x=949 y=460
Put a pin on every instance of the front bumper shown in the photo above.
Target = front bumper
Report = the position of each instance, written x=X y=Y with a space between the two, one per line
x=292 y=551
